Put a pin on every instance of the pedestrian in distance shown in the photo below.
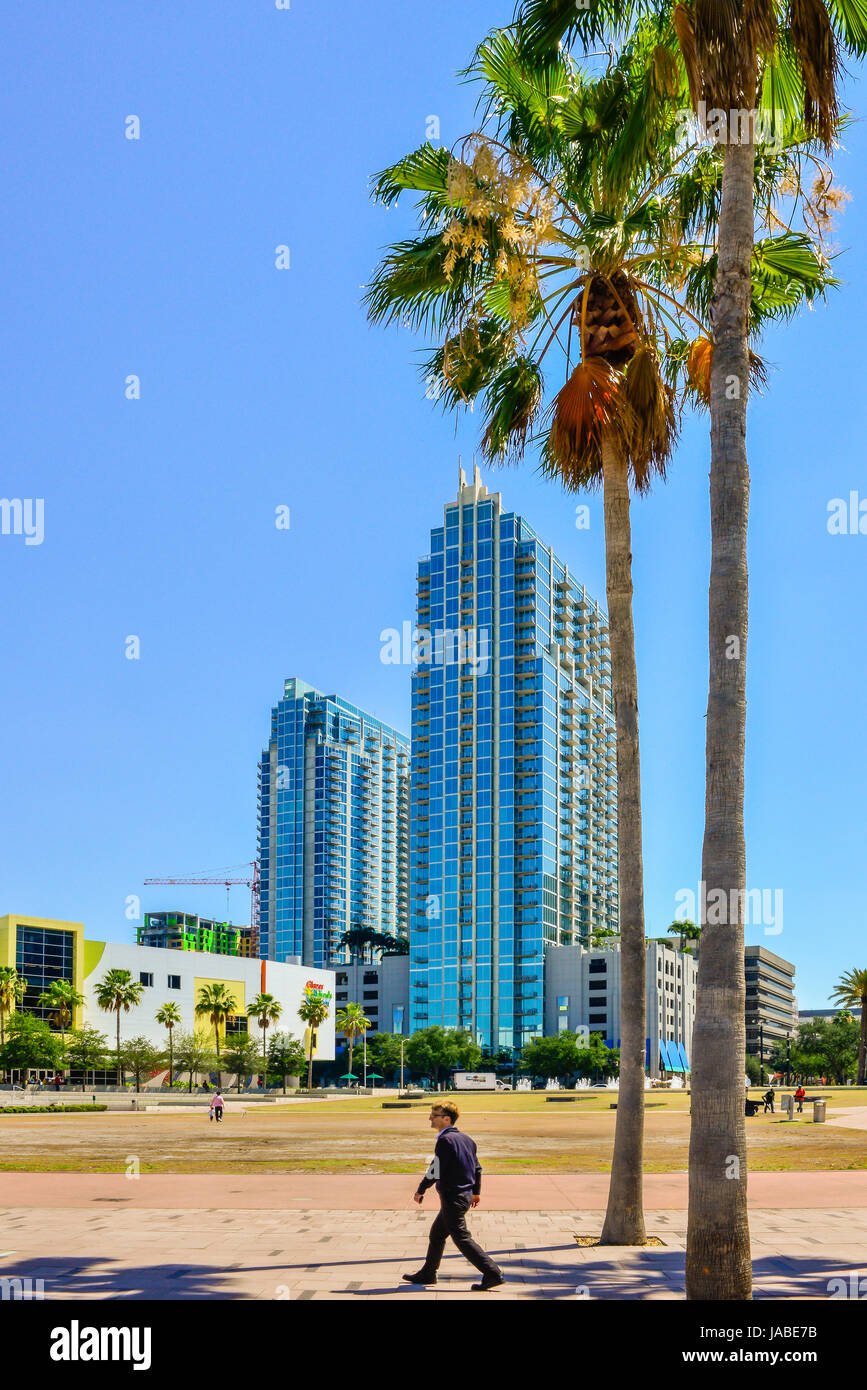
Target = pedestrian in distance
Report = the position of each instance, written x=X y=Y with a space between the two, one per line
x=457 y=1173
x=768 y=1098
x=216 y=1106
x=800 y=1096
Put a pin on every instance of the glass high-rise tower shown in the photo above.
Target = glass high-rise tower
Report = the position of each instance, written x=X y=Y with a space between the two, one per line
x=513 y=834
x=333 y=827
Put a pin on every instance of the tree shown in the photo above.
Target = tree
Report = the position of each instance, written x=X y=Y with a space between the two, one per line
x=12 y=991
x=265 y=1009
x=313 y=1011
x=241 y=1056
x=30 y=1043
x=852 y=992
x=86 y=1050
x=169 y=1015
x=286 y=1056
x=62 y=999
x=430 y=1051
x=685 y=930
x=351 y=1021
x=218 y=1004
x=742 y=58
x=383 y=1053
x=141 y=1057
x=194 y=1054
x=553 y=1056
x=116 y=991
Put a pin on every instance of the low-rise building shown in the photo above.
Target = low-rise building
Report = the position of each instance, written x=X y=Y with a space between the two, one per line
x=381 y=989
x=43 y=950
x=582 y=988
x=771 y=1009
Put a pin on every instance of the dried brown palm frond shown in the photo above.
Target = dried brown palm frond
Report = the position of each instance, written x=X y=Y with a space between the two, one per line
x=698 y=365
x=700 y=360
x=586 y=410
x=813 y=40
x=683 y=27
x=650 y=417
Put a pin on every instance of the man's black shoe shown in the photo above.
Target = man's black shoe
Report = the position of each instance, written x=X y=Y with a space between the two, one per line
x=488 y=1283
x=419 y=1278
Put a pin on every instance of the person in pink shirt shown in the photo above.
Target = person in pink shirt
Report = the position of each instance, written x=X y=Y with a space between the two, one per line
x=216 y=1106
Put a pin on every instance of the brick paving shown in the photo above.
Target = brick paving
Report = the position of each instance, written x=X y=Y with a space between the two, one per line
x=146 y=1239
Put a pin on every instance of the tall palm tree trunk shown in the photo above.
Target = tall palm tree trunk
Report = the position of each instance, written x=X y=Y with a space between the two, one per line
x=624 y=1219
x=862 y=1045
x=310 y=1063
x=119 y=1073
x=718 y=1263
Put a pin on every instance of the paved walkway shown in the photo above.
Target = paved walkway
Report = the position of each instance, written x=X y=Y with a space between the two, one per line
x=90 y=1236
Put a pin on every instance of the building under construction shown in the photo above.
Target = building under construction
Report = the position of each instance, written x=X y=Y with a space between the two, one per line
x=185 y=931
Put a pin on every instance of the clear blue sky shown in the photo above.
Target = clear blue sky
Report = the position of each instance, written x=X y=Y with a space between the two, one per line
x=261 y=388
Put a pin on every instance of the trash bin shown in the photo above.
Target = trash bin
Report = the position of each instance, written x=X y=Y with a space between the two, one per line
x=819 y=1112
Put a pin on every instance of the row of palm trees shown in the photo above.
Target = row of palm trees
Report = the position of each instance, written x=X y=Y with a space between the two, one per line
x=583 y=233
x=117 y=992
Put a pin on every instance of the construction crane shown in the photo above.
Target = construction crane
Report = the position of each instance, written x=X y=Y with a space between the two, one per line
x=228 y=883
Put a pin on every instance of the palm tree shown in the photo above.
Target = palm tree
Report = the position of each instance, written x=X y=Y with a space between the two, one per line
x=62 y=999
x=116 y=991
x=265 y=1009
x=544 y=240
x=169 y=1015
x=851 y=992
x=685 y=930
x=351 y=1022
x=12 y=990
x=313 y=1011
x=218 y=1004
x=739 y=57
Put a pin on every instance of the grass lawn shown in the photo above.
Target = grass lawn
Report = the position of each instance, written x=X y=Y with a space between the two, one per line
x=517 y=1133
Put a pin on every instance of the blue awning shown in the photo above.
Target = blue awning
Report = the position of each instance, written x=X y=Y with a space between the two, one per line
x=681 y=1047
x=664 y=1055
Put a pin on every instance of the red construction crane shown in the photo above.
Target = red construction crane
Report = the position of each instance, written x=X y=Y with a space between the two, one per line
x=228 y=883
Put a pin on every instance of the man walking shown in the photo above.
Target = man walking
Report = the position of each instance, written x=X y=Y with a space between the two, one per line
x=458 y=1177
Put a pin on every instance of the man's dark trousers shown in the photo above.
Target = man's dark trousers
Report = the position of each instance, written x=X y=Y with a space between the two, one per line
x=452 y=1221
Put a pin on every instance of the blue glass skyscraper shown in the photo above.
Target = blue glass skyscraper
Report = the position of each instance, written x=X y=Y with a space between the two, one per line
x=513 y=833
x=333 y=827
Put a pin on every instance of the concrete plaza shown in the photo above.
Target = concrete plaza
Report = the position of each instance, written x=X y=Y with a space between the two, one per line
x=318 y=1236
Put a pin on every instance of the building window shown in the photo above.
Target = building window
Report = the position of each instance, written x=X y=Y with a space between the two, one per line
x=236 y=1023
x=370 y=977
x=343 y=980
x=146 y=978
x=598 y=967
x=174 y=982
x=341 y=996
x=597 y=1018
x=371 y=994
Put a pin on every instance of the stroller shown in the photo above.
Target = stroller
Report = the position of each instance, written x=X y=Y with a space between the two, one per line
x=752 y=1106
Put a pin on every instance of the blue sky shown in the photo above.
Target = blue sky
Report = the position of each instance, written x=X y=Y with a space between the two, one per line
x=263 y=388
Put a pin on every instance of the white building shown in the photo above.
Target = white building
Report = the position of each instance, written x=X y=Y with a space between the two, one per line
x=582 y=987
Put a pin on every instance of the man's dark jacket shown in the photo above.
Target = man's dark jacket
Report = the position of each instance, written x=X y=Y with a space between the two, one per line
x=456 y=1169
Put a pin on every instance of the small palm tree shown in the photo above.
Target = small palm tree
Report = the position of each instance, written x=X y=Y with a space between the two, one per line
x=62 y=999
x=266 y=1010
x=851 y=992
x=169 y=1015
x=686 y=930
x=12 y=991
x=218 y=1004
x=116 y=991
x=313 y=1011
x=352 y=1022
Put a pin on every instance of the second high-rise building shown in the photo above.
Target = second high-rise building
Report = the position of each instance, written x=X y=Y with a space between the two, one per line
x=513 y=843
x=333 y=827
